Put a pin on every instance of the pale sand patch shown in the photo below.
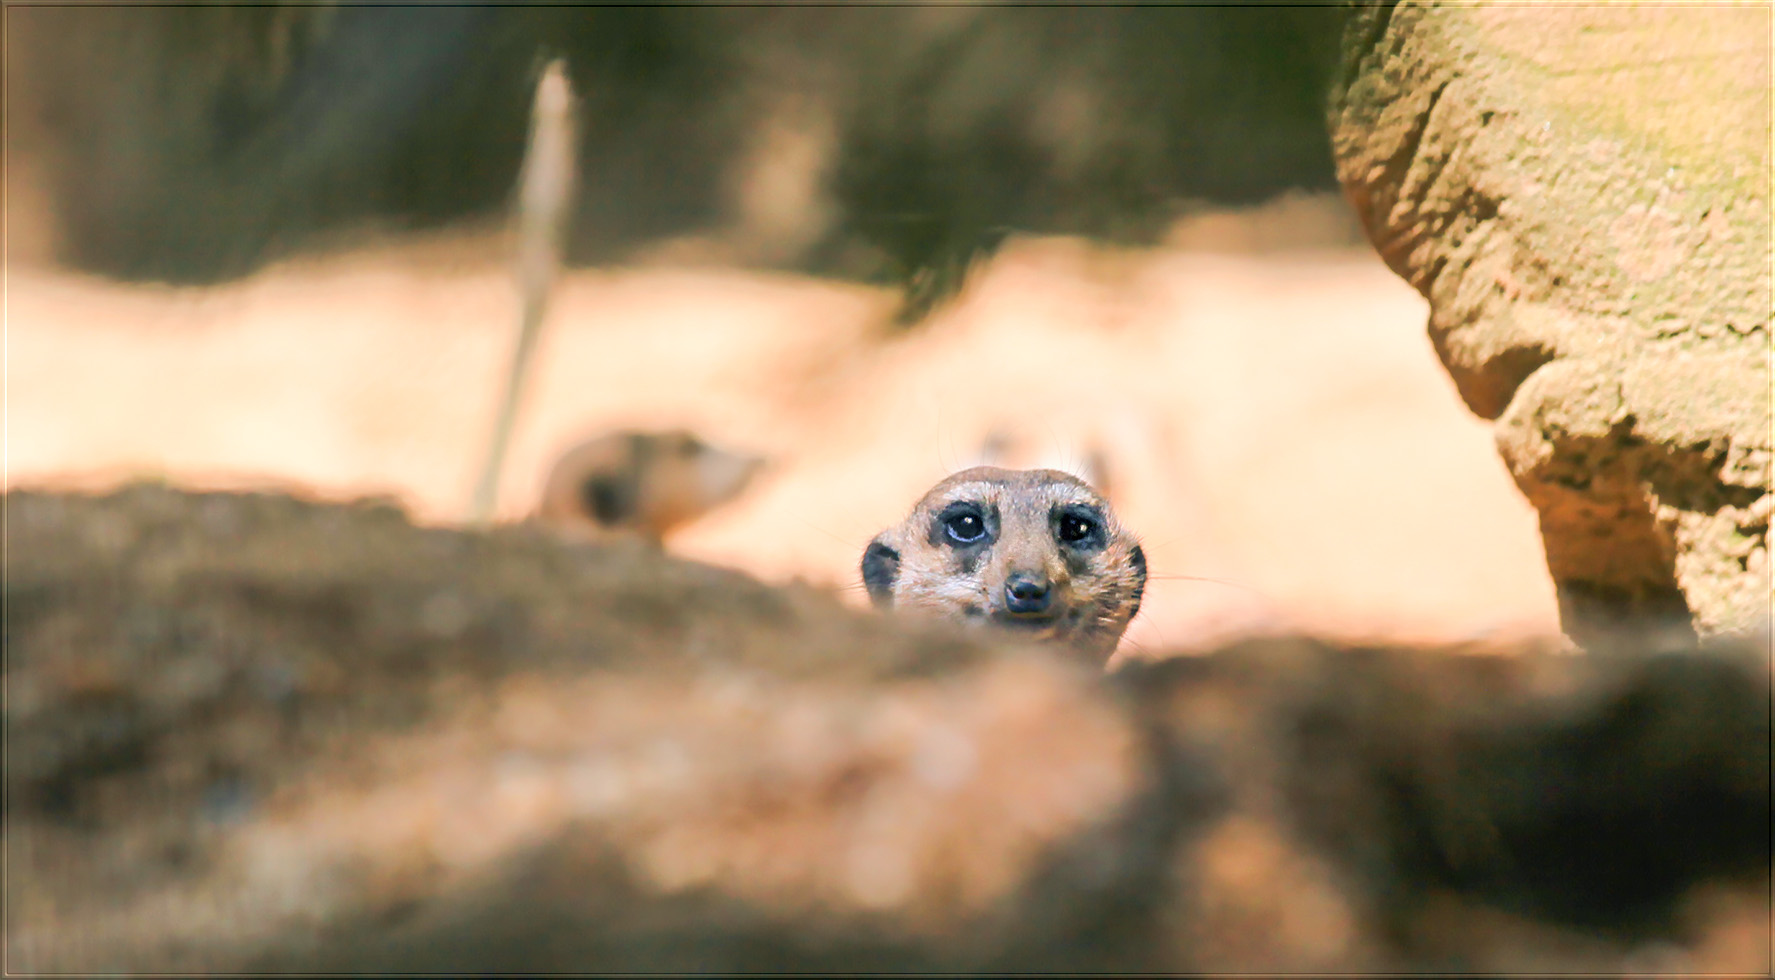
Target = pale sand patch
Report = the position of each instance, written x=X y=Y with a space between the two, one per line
x=1275 y=420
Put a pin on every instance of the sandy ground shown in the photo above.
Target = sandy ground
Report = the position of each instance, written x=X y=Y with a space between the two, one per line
x=1272 y=420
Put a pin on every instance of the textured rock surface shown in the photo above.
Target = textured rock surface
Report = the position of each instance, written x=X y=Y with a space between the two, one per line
x=247 y=732
x=1582 y=193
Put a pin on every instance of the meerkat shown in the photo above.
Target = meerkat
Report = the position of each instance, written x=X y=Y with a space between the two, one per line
x=1034 y=551
x=646 y=483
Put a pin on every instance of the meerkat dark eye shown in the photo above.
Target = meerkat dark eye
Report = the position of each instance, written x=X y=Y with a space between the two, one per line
x=964 y=526
x=1080 y=527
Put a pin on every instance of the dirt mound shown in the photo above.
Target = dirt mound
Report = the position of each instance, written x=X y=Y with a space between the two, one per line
x=247 y=731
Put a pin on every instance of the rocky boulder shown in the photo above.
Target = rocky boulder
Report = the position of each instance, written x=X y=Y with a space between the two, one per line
x=1582 y=193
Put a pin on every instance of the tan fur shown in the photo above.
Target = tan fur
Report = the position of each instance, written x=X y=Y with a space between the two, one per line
x=641 y=482
x=1094 y=586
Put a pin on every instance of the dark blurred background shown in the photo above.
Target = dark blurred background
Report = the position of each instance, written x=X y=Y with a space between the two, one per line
x=195 y=144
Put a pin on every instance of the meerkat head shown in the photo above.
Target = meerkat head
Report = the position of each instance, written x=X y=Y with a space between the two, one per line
x=1036 y=551
x=645 y=482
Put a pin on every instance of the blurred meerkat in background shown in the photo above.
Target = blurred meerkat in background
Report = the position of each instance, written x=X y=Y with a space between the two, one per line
x=646 y=483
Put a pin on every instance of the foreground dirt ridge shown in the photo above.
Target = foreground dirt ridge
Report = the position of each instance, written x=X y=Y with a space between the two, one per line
x=251 y=732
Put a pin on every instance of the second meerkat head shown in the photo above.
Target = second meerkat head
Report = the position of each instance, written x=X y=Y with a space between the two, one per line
x=1037 y=551
x=644 y=482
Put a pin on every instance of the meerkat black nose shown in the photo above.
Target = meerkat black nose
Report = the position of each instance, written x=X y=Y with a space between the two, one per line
x=1027 y=594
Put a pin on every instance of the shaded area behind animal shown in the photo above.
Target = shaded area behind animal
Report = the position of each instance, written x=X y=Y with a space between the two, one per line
x=193 y=145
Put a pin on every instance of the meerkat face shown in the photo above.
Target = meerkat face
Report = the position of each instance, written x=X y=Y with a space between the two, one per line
x=1035 y=551
x=648 y=482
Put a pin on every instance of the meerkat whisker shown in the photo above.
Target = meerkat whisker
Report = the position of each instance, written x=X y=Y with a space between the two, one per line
x=847 y=542
x=1200 y=578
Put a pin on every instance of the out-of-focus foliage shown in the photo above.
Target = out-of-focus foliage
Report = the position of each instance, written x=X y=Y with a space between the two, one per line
x=193 y=144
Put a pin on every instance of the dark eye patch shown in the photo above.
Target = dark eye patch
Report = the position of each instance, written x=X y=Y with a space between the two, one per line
x=962 y=525
x=1080 y=526
x=610 y=499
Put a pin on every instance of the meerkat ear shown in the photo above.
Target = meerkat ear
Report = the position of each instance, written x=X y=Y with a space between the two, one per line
x=1137 y=560
x=881 y=569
